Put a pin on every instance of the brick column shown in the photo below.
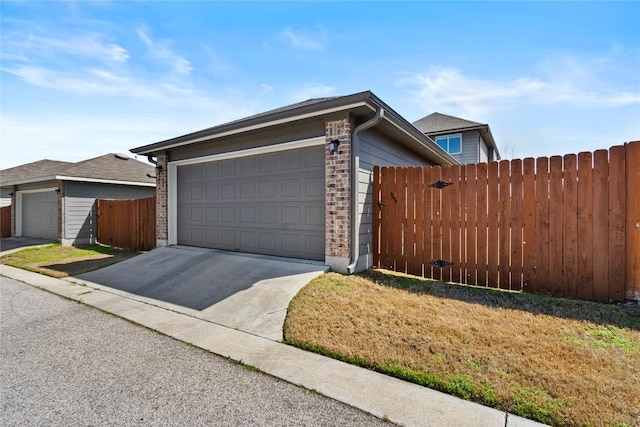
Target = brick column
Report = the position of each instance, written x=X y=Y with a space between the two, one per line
x=13 y=210
x=338 y=195
x=162 y=208
x=60 y=185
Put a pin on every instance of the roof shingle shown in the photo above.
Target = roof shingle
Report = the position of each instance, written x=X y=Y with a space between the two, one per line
x=110 y=167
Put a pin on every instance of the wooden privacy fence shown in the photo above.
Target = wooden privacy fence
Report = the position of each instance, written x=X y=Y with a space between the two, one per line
x=567 y=226
x=5 y=221
x=127 y=224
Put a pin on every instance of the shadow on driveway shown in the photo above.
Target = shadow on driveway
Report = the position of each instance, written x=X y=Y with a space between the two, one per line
x=196 y=278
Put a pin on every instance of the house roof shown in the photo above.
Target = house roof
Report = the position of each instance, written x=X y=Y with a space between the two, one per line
x=362 y=105
x=440 y=124
x=110 y=168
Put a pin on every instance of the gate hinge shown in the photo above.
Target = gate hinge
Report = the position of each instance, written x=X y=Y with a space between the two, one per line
x=380 y=204
x=440 y=184
x=441 y=263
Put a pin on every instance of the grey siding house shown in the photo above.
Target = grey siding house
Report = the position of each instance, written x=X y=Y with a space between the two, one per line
x=292 y=182
x=466 y=141
x=56 y=200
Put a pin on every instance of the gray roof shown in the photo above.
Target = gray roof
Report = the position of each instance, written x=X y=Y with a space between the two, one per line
x=110 y=167
x=360 y=106
x=438 y=122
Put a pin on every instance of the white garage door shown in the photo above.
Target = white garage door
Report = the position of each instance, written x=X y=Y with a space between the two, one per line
x=40 y=215
x=268 y=204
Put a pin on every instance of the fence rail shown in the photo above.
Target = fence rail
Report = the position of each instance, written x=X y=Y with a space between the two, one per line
x=567 y=226
x=5 y=222
x=127 y=224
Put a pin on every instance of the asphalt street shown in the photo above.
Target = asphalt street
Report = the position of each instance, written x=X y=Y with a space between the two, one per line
x=63 y=363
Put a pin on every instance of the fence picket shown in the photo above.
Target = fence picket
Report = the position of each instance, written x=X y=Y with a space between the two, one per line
x=505 y=224
x=446 y=197
x=570 y=227
x=617 y=210
x=436 y=229
x=457 y=269
x=428 y=224
x=529 y=224
x=516 y=225
x=494 y=224
x=585 y=226
x=471 y=226
x=542 y=226
x=482 y=223
x=600 y=226
x=555 y=225
x=375 y=230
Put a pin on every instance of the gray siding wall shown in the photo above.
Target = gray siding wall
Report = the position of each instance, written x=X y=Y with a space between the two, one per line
x=376 y=150
x=484 y=152
x=292 y=132
x=80 y=206
x=469 y=147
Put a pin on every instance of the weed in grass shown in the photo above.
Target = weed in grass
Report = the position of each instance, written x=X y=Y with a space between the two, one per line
x=475 y=365
x=248 y=367
x=461 y=385
x=535 y=403
x=610 y=336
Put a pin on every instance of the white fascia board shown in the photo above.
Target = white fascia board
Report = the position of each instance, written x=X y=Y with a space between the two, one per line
x=105 y=181
x=260 y=126
x=302 y=143
x=77 y=179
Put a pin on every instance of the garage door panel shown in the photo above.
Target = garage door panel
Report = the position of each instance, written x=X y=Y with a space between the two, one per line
x=40 y=215
x=271 y=203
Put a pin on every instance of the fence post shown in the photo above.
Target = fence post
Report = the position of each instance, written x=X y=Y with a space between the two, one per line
x=633 y=220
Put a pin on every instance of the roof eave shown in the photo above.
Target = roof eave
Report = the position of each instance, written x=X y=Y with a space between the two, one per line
x=77 y=179
x=279 y=117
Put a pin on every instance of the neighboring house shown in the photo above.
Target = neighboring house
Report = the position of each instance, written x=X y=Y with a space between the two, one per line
x=282 y=183
x=466 y=141
x=56 y=200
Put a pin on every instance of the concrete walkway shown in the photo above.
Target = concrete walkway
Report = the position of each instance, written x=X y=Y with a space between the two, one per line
x=385 y=397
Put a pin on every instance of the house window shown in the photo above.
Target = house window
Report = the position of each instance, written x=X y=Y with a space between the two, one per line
x=452 y=144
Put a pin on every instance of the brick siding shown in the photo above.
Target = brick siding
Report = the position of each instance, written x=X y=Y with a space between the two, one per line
x=161 y=199
x=338 y=190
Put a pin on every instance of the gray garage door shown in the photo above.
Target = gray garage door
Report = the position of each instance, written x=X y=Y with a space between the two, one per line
x=40 y=215
x=268 y=204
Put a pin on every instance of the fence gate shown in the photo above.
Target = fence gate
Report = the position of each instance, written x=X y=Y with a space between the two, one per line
x=568 y=226
x=127 y=224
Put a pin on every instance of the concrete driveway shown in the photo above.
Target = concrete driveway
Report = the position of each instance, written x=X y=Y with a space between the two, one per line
x=12 y=244
x=247 y=292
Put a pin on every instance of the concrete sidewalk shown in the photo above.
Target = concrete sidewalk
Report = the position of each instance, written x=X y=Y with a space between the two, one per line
x=385 y=397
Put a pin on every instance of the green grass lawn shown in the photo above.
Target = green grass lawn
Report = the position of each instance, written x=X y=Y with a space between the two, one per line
x=58 y=261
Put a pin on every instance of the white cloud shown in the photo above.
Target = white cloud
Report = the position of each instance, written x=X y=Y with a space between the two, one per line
x=559 y=81
x=162 y=51
x=19 y=46
x=311 y=90
x=305 y=40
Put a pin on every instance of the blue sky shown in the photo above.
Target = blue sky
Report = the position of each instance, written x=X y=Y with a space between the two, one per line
x=80 y=79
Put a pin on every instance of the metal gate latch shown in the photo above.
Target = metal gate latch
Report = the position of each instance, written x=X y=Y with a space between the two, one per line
x=440 y=184
x=441 y=263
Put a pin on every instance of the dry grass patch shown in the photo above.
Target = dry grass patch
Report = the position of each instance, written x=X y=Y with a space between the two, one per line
x=62 y=261
x=558 y=361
